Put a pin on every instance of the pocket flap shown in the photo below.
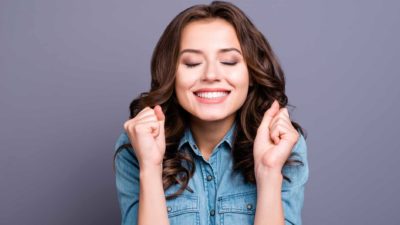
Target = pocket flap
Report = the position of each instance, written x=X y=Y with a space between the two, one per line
x=238 y=203
x=182 y=204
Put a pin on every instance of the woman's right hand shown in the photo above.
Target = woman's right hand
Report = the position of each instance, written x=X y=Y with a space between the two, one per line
x=146 y=133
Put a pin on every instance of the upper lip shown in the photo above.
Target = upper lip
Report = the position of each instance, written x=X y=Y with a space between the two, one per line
x=212 y=90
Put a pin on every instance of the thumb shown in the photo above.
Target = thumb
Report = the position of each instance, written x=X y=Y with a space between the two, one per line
x=159 y=113
x=269 y=115
x=160 y=117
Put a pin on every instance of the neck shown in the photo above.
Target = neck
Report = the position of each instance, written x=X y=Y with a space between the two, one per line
x=208 y=134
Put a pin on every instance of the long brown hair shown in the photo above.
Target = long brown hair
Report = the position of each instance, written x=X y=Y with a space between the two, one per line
x=264 y=71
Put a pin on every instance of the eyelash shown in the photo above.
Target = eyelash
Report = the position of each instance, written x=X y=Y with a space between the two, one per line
x=191 y=65
x=229 y=63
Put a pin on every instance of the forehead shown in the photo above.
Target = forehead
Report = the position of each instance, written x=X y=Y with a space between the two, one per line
x=209 y=33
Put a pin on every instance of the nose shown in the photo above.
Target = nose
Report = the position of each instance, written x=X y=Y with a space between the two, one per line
x=211 y=72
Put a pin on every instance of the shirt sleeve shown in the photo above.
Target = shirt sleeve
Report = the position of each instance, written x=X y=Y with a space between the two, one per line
x=293 y=191
x=127 y=181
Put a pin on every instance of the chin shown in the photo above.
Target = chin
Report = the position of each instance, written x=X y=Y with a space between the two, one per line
x=211 y=117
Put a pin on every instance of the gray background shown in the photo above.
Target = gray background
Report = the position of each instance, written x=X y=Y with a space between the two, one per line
x=69 y=69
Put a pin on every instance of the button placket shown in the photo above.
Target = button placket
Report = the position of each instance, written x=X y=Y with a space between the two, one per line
x=212 y=212
x=211 y=190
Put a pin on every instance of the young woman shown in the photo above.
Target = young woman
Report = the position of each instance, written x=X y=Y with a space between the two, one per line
x=212 y=141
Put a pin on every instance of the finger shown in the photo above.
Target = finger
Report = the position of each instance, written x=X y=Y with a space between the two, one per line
x=145 y=109
x=281 y=115
x=132 y=124
x=145 y=112
x=145 y=115
x=277 y=131
x=285 y=112
x=152 y=127
x=128 y=124
x=159 y=113
x=161 y=118
x=146 y=118
x=269 y=115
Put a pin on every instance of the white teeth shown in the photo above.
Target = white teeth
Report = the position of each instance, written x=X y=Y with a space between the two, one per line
x=217 y=94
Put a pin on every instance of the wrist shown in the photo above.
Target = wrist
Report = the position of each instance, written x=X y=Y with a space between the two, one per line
x=149 y=170
x=264 y=173
x=266 y=170
x=271 y=180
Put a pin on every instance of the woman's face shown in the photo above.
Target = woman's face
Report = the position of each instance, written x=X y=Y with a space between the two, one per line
x=212 y=79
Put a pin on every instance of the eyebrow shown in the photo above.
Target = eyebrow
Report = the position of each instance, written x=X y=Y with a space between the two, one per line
x=223 y=50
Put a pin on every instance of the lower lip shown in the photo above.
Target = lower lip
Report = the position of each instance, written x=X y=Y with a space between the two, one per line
x=211 y=100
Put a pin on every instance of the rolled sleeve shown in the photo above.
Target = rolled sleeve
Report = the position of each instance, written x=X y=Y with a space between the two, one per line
x=293 y=191
x=127 y=181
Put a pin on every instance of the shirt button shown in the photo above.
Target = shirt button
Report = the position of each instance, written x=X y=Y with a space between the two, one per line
x=209 y=177
x=212 y=212
x=194 y=146
x=249 y=206
x=169 y=209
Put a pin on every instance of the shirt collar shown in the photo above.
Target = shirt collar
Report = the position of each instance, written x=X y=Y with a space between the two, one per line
x=188 y=138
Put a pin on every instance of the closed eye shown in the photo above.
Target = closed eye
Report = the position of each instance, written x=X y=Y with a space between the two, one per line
x=191 y=65
x=229 y=63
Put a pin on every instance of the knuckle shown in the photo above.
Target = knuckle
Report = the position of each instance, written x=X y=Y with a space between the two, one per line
x=145 y=109
x=272 y=127
x=274 y=131
x=284 y=112
x=281 y=122
x=150 y=109
x=137 y=128
x=297 y=135
x=127 y=125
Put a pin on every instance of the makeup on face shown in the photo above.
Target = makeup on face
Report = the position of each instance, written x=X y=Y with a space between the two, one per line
x=212 y=77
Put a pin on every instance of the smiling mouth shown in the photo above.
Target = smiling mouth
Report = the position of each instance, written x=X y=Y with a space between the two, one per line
x=212 y=94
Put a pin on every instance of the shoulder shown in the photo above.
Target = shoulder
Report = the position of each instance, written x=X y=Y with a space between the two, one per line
x=298 y=173
x=122 y=153
x=121 y=140
x=301 y=146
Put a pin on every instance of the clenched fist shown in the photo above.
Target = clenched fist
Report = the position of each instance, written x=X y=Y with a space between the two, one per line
x=146 y=133
x=274 y=140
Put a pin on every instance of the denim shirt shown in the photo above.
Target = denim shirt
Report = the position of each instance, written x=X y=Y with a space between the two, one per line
x=220 y=195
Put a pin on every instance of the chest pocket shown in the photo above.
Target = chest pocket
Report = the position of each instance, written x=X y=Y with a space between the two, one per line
x=183 y=210
x=237 y=208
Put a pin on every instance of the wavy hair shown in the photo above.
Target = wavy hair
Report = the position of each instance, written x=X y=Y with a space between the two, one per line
x=264 y=71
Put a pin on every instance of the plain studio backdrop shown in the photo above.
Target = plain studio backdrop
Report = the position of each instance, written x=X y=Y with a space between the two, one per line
x=69 y=69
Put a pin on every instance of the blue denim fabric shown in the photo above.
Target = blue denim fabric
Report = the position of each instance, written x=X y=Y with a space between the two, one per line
x=220 y=196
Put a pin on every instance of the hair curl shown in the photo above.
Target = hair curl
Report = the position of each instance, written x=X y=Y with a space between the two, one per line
x=265 y=73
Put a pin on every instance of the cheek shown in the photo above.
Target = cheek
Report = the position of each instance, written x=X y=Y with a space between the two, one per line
x=178 y=88
x=185 y=79
x=240 y=78
x=182 y=85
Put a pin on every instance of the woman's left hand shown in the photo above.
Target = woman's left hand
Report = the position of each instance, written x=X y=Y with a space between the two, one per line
x=274 y=140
